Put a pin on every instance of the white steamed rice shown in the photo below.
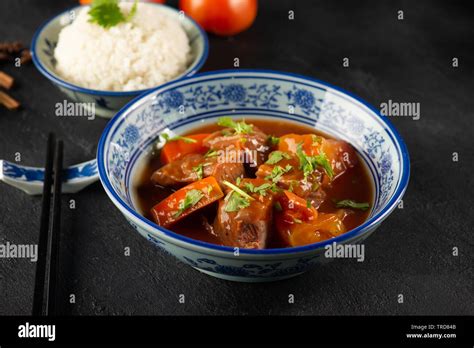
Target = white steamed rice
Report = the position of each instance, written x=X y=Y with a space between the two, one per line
x=150 y=49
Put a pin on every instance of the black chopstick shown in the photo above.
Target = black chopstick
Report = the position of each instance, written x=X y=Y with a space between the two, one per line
x=54 y=233
x=38 y=308
x=44 y=300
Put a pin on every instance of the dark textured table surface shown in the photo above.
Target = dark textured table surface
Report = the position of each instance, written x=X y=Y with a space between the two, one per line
x=406 y=60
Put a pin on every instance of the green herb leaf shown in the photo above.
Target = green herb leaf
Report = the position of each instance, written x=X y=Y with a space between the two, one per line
x=132 y=12
x=277 y=206
x=235 y=202
x=211 y=153
x=107 y=13
x=199 y=170
x=347 y=203
x=187 y=140
x=323 y=161
x=239 y=127
x=238 y=190
x=291 y=186
x=237 y=199
x=273 y=140
x=261 y=190
x=191 y=199
x=308 y=163
x=278 y=172
x=277 y=156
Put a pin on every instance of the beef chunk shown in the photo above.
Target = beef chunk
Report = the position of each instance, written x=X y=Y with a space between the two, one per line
x=181 y=171
x=190 y=167
x=254 y=144
x=246 y=227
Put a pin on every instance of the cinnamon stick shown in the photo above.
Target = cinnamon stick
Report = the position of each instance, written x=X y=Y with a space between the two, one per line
x=4 y=57
x=6 y=81
x=25 y=56
x=11 y=47
x=8 y=102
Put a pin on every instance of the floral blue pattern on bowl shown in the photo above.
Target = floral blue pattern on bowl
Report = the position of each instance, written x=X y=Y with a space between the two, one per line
x=182 y=105
x=107 y=103
x=30 y=179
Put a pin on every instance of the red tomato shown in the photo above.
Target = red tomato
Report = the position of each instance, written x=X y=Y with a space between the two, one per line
x=221 y=17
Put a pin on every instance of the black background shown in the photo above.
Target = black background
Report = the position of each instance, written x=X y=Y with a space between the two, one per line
x=411 y=253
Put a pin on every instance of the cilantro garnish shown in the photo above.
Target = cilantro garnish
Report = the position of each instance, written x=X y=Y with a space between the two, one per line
x=235 y=202
x=297 y=221
x=187 y=140
x=277 y=156
x=191 y=199
x=261 y=190
x=278 y=172
x=273 y=140
x=199 y=170
x=237 y=199
x=107 y=13
x=348 y=203
x=277 y=206
x=239 y=127
x=308 y=163
x=211 y=153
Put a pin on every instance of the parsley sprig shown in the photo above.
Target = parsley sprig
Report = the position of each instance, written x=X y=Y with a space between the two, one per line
x=308 y=164
x=107 y=13
x=348 y=203
x=187 y=140
x=278 y=172
x=261 y=189
x=277 y=156
x=273 y=140
x=211 y=153
x=199 y=170
x=238 y=127
x=237 y=199
x=191 y=199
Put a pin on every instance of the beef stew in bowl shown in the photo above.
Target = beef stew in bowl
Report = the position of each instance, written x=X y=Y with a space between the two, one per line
x=255 y=184
x=277 y=104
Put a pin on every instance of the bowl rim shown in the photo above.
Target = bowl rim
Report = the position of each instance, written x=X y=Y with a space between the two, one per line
x=369 y=224
x=62 y=82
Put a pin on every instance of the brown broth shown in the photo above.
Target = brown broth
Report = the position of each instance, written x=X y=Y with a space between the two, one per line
x=355 y=184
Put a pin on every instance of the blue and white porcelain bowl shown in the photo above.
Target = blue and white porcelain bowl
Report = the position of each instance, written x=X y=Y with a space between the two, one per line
x=182 y=105
x=107 y=103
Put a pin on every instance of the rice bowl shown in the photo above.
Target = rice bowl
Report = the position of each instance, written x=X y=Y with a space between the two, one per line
x=150 y=49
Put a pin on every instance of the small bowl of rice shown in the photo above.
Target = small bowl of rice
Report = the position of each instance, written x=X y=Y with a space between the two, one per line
x=102 y=69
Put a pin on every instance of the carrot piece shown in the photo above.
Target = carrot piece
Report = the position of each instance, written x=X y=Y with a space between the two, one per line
x=311 y=143
x=186 y=201
x=325 y=227
x=295 y=214
x=296 y=204
x=174 y=149
x=300 y=224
